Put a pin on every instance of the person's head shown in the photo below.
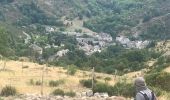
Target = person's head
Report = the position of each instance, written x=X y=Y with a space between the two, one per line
x=140 y=84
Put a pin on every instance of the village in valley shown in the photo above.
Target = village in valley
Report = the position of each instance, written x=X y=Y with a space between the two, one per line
x=89 y=43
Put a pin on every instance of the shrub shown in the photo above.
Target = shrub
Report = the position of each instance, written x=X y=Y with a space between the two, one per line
x=124 y=89
x=156 y=90
x=71 y=69
x=62 y=29
x=107 y=79
x=38 y=83
x=87 y=83
x=78 y=30
x=58 y=92
x=102 y=87
x=31 y=82
x=55 y=83
x=70 y=93
x=159 y=80
x=121 y=88
x=24 y=67
x=98 y=77
x=8 y=91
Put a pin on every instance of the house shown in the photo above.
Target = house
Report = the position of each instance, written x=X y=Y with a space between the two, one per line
x=126 y=42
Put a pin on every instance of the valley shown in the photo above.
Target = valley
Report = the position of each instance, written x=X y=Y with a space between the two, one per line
x=49 y=47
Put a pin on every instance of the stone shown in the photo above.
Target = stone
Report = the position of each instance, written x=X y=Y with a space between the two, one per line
x=78 y=94
x=83 y=94
x=97 y=95
x=115 y=98
x=17 y=99
x=66 y=97
x=104 y=95
x=89 y=93
x=60 y=98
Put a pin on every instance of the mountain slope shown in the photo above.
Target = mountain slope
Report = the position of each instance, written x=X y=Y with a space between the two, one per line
x=110 y=16
x=44 y=22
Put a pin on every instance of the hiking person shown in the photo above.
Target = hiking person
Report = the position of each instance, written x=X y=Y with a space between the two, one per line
x=142 y=92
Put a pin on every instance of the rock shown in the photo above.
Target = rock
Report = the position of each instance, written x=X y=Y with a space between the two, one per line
x=78 y=94
x=84 y=98
x=59 y=98
x=83 y=94
x=17 y=99
x=89 y=93
x=97 y=95
x=115 y=98
x=66 y=97
x=104 y=95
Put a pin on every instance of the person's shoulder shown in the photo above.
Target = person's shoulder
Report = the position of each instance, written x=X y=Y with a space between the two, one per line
x=139 y=96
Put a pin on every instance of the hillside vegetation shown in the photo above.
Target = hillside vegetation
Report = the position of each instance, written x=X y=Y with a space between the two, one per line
x=81 y=34
x=148 y=19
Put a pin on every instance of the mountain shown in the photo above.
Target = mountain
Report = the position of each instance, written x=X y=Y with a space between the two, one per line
x=81 y=32
x=123 y=38
x=109 y=16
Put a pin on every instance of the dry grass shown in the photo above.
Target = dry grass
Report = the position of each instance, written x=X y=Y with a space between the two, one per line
x=16 y=76
x=167 y=69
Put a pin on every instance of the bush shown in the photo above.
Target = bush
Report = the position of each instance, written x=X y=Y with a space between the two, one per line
x=55 y=83
x=87 y=83
x=78 y=30
x=107 y=79
x=124 y=89
x=70 y=93
x=102 y=87
x=71 y=69
x=8 y=91
x=156 y=90
x=120 y=88
x=159 y=80
x=38 y=83
x=31 y=82
x=58 y=92
x=24 y=67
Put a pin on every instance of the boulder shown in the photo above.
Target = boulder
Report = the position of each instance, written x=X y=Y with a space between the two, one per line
x=83 y=94
x=89 y=93
x=97 y=95
x=78 y=94
x=104 y=95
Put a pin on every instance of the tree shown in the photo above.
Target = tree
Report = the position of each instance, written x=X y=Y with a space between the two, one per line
x=5 y=41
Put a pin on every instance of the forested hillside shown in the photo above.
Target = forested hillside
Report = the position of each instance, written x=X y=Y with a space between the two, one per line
x=120 y=39
x=43 y=22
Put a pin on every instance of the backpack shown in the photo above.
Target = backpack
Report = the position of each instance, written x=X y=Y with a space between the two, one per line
x=146 y=96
